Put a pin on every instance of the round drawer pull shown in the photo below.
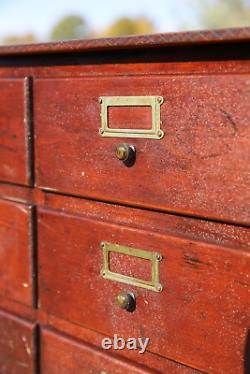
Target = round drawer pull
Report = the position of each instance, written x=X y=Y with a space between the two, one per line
x=126 y=300
x=126 y=153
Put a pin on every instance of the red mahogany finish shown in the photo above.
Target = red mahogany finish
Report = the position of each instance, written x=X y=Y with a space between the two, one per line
x=17 y=345
x=195 y=169
x=64 y=355
x=63 y=191
x=14 y=131
x=16 y=281
x=195 y=295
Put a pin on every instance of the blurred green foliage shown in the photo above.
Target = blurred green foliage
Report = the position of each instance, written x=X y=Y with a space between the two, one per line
x=20 y=39
x=70 y=27
x=223 y=13
x=209 y=14
x=129 y=26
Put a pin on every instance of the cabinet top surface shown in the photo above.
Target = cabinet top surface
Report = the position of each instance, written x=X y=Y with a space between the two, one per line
x=129 y=42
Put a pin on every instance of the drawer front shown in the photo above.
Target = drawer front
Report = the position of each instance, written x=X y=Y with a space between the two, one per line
x=62 y=355
x=15 y=252
x=199 y=167
x=14 y=131
x=200 y=318
x=17 y=349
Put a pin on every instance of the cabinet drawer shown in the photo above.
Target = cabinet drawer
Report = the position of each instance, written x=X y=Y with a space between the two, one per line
x=17 y=345
x=14 y=131
x=200 y=318
x=15 y=252
x=199 y=167
x=63 y=355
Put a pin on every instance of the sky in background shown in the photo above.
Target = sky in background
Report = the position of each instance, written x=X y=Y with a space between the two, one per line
x=22 y=16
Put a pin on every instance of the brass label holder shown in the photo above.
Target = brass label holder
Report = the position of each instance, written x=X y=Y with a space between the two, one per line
x=117 y=101
x=155 y=258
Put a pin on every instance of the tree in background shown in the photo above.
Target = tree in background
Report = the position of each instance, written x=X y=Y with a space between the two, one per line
x=214 y=14
x=20 y=39
x=70 y=27
x=209 y=14
x=129 y=26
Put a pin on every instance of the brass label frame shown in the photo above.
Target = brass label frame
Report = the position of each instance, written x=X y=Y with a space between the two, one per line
x=148 y=101
x=155 y=258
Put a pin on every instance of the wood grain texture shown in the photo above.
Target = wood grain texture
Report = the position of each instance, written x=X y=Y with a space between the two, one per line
x=186 y=197
x=200 y=319
x=16 y=278
x=83 y=336
x=168 y=63
x=16 y=193
x=14 y=131
x=199 y=168
x=130 y=42
x=151 y=361
x=232 y=236
x=17 y=345
x=61 y=355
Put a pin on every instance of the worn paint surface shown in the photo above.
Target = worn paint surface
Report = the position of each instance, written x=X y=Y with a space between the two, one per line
x=201 y=318
x=15 y=252
x=14 y=131
x=190 y=189
x=17 y=353
x=200 y=166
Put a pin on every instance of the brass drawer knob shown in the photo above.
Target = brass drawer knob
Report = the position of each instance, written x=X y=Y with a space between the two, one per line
x=126 y=153
x=126 y=300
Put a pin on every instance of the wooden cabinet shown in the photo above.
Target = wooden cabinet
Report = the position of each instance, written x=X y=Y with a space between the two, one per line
x=124 y=205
